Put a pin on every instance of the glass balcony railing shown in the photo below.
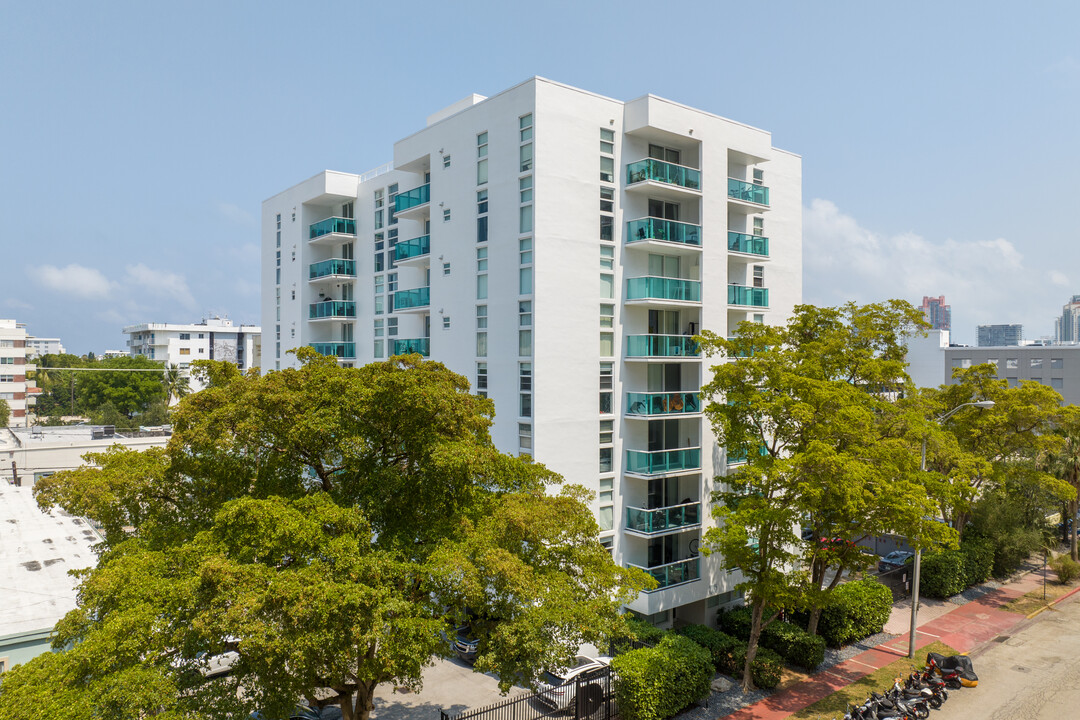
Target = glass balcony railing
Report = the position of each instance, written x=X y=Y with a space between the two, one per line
x=749 y=296
x=412 y=248
x=327 y=268
x=676 y=573
x=735 y=457
x=747 y=192
x=664 y=230
x=332 y=309
x=661 y=346
x=661 y=519
x=750 y=244
x=412 y=198
x=405 y=299
x=416 y=345
x=342 y=350
x=662 y=288
x=644 y=462
x=664 y=172
x=662 y=403
x=340 y=225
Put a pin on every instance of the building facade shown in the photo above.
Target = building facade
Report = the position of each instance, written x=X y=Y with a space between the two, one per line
x=559 y=249
x=36 y=347
x=212 y=339
x=1000 y=335
x=1067 y=327
x=15 y=389
x=937 y=313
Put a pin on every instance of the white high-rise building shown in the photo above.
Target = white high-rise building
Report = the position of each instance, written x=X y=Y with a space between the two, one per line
x=212 y=339
x=559 y=248
x=15 y=389
x=36 y=346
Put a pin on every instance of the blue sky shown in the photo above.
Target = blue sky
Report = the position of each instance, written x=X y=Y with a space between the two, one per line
x=138 y=140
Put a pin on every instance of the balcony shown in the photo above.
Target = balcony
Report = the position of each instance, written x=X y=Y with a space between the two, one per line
x=340 y=350
x=661 y=346
x=651 y=290
x=336 y=267
x=663 y=179
x=676 y=573
x=745 y=296
x=332 y=227
x=666 y=234
x=415 y=345
x=663 y=520
x=410 y=200
x=417 y=248
x=663 y=462
x=744 y=192
x=748 y=244
x=411 y=300
x=332 y=310
x=646 y=405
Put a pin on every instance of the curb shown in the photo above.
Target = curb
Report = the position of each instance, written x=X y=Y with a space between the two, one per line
x=1052 y=603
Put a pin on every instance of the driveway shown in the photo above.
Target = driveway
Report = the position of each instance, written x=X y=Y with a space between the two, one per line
x=450 y=685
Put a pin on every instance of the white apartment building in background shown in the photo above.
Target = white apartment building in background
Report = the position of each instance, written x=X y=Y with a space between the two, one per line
x=36 y=347
x=212 y=339
x=559 y=249
x=15 y=389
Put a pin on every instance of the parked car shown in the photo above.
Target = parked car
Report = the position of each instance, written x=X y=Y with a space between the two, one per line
x=300 y=712
x=895 y=559
x=465 y=644
x=558 y=690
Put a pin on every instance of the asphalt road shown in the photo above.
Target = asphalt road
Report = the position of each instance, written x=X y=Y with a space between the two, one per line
x=1033 y=674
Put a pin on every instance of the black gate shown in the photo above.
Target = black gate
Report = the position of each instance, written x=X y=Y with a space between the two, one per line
x=589 y=696
x=898 y=581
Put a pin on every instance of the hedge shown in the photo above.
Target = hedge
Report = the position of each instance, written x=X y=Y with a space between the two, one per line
x=794 y=644
x=855 y=610
x=765 y=670
x=735 y=622
x=656 y=683
x=948 y=572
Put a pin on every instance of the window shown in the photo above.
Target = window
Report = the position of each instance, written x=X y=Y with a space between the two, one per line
x=607 y=141
x=525 y=251
x=992 y=361
x=607 y=169
x=379 y=328
x=606 y=384
x=1057 y=363
x=759 y=318
x=391 y=282
x=1036 y=363
x=481 y=201
x=606 y=454
x=607 y=228
x=391 y=326
x=1012 y=363
x=482 y=145
x=759 y=176
x=378 y=349
x=607 y=344
x=525 y=377
x=481 y=171
x=1012 y=381
x=607 y=199
x=606 y=484
x=525 y=154
x=7 y=378
x=481 y=317
x=379 y=198
x=525 y=343
x=525 y=313
x=607 y=285
x=183 y=351
x=277 y=276
x=961 y=362
x=608 y=543
x=606 y=518
x=446 y=215
x=481 y=287
x=525 y=223
x=525 y=281
x=482 y=229
x=525 y=124
x=446 y=161
x=185 y=336
x=481 y=163
x=759 y=276
x=525 y=188
x=525 y=436
x=1057 y=383
x=759 y=226
x=607 y=431
x=607 y=315
x=481 y=376
x=446 y=268
x=666 y=154
x=481 y=344
x=278 y=221
x=481 y=259
x=607 y=257
x=446 y=322
x=378 y=219
x=526 y=405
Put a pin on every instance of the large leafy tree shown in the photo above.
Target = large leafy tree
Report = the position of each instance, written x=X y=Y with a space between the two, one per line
x=818 y=409
x=71 y=384
x=176 y=384
x=325 y=525
x=1064 y=463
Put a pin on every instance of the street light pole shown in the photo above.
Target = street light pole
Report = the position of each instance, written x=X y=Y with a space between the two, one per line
x=918 y=549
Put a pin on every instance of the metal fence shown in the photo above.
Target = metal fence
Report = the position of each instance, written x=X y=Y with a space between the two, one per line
x=898 y=581
x=589 y=696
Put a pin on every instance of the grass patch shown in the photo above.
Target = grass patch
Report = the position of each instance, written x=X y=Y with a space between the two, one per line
x=838 y=703
x=1032 y=601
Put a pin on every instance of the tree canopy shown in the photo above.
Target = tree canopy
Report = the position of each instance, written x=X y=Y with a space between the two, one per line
x=107 y=397
x=327 y=525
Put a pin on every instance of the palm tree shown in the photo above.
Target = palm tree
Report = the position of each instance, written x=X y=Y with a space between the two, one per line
x=176 y=384
x=1065 y=464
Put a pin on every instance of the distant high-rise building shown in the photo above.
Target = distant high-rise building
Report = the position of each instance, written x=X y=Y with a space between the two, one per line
x=937 y=312
x=1067 y=327
x=15 y=389
x=1000 y=335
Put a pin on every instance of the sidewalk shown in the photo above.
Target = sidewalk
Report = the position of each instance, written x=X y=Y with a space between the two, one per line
x=963 y=627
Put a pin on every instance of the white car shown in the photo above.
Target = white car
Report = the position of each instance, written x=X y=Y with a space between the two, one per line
x=558 y=689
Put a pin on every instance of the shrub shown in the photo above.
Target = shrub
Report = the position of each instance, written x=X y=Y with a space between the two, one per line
x=644 y=631
x=765 y=670
x=1013 y=529
x=854 y=611
x=711 y=640
x=1066 y=568
x=735 y=622
x=794 y=644
x=943 y=574
x=656 y=683
x=978 y=555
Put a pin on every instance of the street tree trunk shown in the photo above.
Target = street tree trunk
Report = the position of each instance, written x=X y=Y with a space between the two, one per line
x=757 y=610
x=1072 y=528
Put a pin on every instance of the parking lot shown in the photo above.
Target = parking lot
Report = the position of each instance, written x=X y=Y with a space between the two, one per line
x=450 y=685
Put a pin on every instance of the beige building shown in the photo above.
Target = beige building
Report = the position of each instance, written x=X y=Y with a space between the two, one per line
x=14 y=387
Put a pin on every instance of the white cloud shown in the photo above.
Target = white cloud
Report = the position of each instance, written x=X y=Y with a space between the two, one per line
x=236 y=214
x=83 y=282
x=160 y=283
x=985 y=281
x=18 y=304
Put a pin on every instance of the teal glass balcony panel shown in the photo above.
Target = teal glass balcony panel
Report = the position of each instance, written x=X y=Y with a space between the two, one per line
x=342 y=350
x=662 y=288
x=340 y=225
x=336 y=266
x=412 y=198
x=658 y=462
x=662 y=403
x=419 y=297
x=739 y=456
x=665 y=172
x=750 y=244
x=750 y=296
x=416 y=345
x=661 y=346
x=747 y=192
x=663 y=519
x=412 y=248
x=332 y=309
x=676 y=573
x=664 y=230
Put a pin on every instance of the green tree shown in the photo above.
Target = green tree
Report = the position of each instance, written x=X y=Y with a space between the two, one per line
x=325 y=524
x=5 y=413
x=129 y=392
x=1064 y=463
x=814 y=407
x=176 y=384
